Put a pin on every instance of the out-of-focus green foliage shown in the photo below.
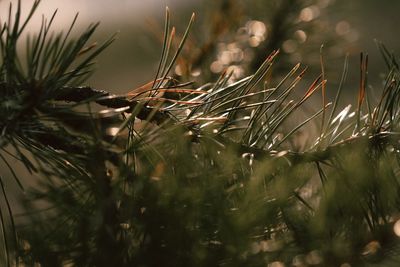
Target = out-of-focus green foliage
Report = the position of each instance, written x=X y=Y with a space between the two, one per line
x=171 y=174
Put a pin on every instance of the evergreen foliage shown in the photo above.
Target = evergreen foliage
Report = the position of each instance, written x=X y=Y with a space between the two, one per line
x=184 y=176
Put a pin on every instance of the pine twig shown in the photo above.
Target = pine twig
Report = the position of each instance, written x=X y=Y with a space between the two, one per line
x=104 y=98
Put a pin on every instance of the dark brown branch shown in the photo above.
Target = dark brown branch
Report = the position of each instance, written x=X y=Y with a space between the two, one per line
x=104 y=98
x=60 y=139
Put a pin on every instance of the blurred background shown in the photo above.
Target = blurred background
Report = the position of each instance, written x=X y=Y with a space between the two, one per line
x=233 y=35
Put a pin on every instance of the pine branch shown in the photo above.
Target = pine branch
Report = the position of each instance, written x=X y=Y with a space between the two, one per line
x=382 y=139
x=104 y=98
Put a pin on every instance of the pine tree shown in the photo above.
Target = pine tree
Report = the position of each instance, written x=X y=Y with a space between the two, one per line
x=174 y=175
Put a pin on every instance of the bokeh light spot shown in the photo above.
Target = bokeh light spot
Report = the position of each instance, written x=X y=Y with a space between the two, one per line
x=289 y=46
x=396 y=228
x=256 y=28
x=195 y=73
x=178 y=70
x=216 y=67
x=300 y=36
x=314 y=257
x=342 y=27
x=276 y=264
x=254 y=41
